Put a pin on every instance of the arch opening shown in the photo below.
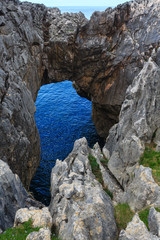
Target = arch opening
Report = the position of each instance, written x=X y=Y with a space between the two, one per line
x=62 y=117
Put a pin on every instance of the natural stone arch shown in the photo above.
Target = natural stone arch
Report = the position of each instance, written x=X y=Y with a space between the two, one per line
x=39 y=45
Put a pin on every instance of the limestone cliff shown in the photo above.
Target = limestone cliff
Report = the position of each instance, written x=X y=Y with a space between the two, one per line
x=39 y=45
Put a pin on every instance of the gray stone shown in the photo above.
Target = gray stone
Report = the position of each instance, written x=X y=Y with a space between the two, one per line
x=40 y=217
x=12 y=196
x=109 y=181
x=79 y=207
x=142 y=191
x=138 y=121
x=136 y=230
x=39 y=45
x=154 y=221
x=43 y=233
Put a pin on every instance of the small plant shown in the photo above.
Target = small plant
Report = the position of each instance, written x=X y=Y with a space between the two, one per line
x=108 y=192
x=151 y=159
x=54 y=237
x=20 y=232
x=143 y=215
x=97 y=172
x=95 y=168
x=104 y=162
x=123 y=215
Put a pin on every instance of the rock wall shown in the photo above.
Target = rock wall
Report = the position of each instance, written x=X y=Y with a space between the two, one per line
x=39 y=45
x=23 y=35
x=79 y=207
x=12 y=196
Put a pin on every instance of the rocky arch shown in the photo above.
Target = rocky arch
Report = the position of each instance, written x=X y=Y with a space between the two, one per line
x=39 y=45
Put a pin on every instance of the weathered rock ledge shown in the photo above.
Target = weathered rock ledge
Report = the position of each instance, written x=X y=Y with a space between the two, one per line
x=39 y=45
x=113 y=60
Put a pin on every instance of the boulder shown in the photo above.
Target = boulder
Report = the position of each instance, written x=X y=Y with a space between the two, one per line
x=43 y=233
x=142 y=191
x=136 y=230
x=79 y=207
x=154 y=221
x=40 y=217
x=12 y=196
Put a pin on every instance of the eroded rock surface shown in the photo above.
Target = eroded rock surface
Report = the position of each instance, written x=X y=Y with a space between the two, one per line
x=39 y=45
x=154 y=221
x=138 y=122
x=40 y=217
x=43 y=233
x=136 y=230
x=79 y=207
x=23 y=45
x=12 y=196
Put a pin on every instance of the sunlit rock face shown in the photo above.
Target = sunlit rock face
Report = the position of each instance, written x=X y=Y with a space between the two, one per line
x=39 y=45
x=102 y=56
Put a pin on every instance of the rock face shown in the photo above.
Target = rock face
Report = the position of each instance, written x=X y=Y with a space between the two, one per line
x=43 y=233
x=138 y=123
x=154 y=221
x=12 y=196
x=40 y=217
x=136 y=230
x=39 y=45
x=102 y=57
x=79 y=207
x=23 y=56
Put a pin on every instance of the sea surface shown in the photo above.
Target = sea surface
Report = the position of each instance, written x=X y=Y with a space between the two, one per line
x=62 y=117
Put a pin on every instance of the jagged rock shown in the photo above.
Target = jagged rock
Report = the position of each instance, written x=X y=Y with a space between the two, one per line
x=143 y=190
x=154 y=221
x=24 y=33
x=136 y=230
x=40 y=217
x=12 y=196
x=43 y=233
x=103 y=56
x=138 y=121
x=79 y=207
x=39 y=45
x=109 y=180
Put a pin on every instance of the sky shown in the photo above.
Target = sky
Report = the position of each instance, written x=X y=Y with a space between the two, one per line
x=55 y=3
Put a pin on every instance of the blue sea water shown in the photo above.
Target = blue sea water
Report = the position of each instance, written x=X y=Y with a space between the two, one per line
x=62 y=116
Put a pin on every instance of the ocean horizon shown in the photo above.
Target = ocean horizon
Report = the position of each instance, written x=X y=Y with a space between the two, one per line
x=86 y=10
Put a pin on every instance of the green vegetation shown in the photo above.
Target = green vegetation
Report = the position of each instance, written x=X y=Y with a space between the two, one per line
x=95 y=168
x=151 y=159
x=21 y=232
x=108 y=192
x=157 y=209
x=143 y=215
x=54 y=237
x=97 y=172
x=123 y=215
x=104 y=162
